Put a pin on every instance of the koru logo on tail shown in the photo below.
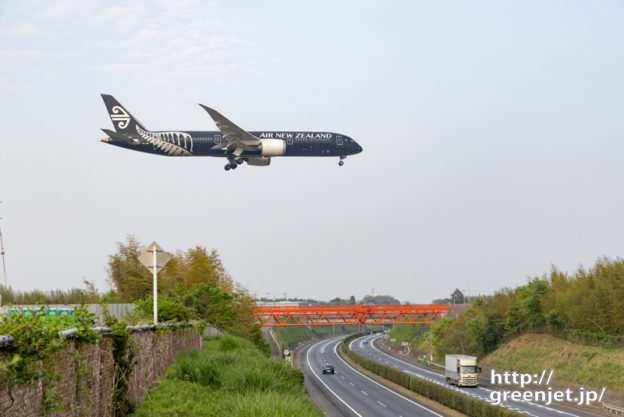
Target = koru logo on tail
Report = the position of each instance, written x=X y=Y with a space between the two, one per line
x=120 y=116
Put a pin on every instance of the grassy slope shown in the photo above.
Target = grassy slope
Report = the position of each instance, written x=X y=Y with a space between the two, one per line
x=289 y=335
x=532 y=353
x=228 y=377
x=417 y=335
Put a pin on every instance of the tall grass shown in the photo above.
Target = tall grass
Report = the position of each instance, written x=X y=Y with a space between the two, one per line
x=228 y=377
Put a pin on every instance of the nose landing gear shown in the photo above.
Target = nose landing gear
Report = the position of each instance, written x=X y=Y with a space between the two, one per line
x=341 y=162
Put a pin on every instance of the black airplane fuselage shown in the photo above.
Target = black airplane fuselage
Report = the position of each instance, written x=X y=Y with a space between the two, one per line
x=230 y=141
x=205 y=143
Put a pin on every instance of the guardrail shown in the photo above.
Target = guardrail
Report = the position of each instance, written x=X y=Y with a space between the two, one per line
x=429 y=363
x=613 y=409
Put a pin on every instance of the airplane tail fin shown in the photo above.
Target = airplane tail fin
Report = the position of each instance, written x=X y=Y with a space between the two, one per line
x=123 y=121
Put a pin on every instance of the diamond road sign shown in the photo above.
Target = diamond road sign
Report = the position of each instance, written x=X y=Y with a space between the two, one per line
x=147 y=257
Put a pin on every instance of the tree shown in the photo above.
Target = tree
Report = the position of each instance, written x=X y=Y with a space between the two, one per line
x=531 y=302
x=380 y=300
x=132 y=281
x=457 y=297
x=193 y=285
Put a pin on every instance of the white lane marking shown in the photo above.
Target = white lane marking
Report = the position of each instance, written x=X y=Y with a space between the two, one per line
x=381 y=404
x=323 y=382
x=351 y=383
x=364 y=392
x=383 y=386
x=424 y=370
x=324 y=346
x=406 y=363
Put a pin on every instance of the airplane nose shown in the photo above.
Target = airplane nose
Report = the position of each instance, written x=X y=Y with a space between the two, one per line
x=357 y=147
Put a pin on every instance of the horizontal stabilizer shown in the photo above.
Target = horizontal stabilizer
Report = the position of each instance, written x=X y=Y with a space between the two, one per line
x=117 y=137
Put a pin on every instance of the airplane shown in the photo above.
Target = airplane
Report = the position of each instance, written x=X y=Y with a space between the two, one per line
x=230 y=141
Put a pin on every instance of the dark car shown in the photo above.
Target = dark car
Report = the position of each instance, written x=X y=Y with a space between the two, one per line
x=328 y=369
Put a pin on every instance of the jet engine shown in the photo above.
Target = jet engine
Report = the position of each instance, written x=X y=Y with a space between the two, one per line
x=272 y=147
x=258 y=161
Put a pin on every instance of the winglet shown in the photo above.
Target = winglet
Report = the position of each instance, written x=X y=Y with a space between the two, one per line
x=231 y=132
x=213 y=113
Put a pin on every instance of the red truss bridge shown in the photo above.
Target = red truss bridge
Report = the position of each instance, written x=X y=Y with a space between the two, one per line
x=349 y=315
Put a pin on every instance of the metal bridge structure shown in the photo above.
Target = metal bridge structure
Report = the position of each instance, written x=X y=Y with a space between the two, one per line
x=349 y=315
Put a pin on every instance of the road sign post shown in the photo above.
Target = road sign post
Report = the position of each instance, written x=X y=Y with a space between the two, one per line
x=154 y=259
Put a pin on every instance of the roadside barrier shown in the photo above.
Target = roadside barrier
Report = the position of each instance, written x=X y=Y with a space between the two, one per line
x=613 y=409
x=447 y=397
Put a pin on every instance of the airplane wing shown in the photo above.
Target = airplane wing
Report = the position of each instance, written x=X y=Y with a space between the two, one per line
x=237 y=139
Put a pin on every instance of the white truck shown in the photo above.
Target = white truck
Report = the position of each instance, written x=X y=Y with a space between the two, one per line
x=461 y=370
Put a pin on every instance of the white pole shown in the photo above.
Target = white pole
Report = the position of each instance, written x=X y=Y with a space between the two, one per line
x=155 y=289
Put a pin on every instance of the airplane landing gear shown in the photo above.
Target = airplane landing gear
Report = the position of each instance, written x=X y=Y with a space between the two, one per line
x=233 y=163
x=341 y=162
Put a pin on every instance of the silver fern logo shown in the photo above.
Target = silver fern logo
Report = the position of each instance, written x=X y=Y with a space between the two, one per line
x=120 y=117
x=169 y=143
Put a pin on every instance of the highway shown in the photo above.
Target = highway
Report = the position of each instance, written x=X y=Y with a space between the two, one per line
x=371 y=352
x=351 y=393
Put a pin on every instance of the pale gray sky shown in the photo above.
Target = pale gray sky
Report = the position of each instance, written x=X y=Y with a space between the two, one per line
x=492 y=134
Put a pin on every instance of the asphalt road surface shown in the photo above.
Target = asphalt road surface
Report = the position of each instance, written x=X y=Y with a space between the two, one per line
x=349 y=392
x=365 y=346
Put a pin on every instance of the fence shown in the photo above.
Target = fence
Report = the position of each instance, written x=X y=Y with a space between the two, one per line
x=117 y=310
x=575 y=336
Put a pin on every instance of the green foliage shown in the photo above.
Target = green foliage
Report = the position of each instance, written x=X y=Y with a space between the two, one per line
x=83 y=321
x=568 y=306
x=589 y=299
x=110 y=297
x=585 y=365
x=131 y=279
x=41 y=297
x=192 y=286
x=439 y=330
x=411 y=333
x=379 y=300
x=208 y=302
x=169 y=309
x=123 y=362
x=290 y=336
x=35 y=340
x=228 y=377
